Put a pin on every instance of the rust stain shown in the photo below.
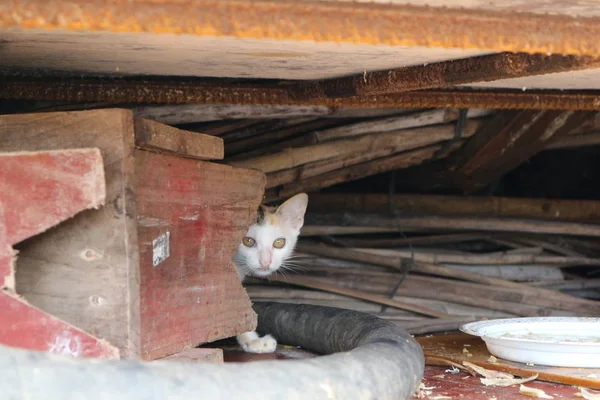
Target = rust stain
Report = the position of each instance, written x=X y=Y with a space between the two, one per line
x=445 y=74
x=396 y=25
x=124 y=90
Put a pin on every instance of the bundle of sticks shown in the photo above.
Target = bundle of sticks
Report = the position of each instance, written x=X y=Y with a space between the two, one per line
x=473 y=258
x=306 y=154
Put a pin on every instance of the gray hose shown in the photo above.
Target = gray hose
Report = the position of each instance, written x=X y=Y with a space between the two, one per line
x=385 y=364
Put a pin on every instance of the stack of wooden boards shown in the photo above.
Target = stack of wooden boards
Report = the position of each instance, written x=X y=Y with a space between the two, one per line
x=150 y=272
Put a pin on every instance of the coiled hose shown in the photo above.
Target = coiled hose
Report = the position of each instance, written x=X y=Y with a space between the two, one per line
x=374 y=360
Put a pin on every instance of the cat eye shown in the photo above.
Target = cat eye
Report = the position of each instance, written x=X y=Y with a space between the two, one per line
x=279 y=243
x=248 y=241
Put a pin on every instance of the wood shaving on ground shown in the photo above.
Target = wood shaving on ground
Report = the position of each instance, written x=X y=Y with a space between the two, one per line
x=502 y=382
x=488 y=373
x=496 y=378
x=586 y=394
x=533 y=392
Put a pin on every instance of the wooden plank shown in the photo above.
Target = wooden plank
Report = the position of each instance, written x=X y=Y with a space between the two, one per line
x=554 y=209
x=194 y=356
x=27 y=327
x=190 y=113
x=37 y=191
x=274 y=139
x=395 y=123
x=357 y=171
x=153 y=136
x=383 y=144
x=68 y=272
x=506 y=142
x=191 y=294
x=73 y=179
x=449 y=346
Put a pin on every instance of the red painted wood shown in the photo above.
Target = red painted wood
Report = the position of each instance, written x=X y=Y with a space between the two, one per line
x=24 y=326
x=37 y=191
x=194 y=295
x=467 y=387
x=41 y=189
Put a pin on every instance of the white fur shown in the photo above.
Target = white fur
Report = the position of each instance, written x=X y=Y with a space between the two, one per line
x=263 y=259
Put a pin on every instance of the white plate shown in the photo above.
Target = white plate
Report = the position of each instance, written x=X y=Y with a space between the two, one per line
x=552 y=341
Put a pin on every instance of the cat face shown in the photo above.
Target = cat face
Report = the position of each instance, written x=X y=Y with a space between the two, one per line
x=270 y=240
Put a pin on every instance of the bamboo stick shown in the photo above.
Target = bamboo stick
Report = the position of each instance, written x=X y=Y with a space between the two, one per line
x=485 y=259
x=395 y=263
x=396 y=123
x=454 y=223
x=402 y=142
x=269 y=141
x=410 y=241
x=314 y=284
x=490 y=206
x=397 y=141
x=510 y=300
x=262 y=292
x=354 y=172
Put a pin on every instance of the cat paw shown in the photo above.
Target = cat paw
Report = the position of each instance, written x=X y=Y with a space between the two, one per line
x=251 y=343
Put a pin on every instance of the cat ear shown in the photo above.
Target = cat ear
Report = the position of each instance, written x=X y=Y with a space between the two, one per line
x=293 y=209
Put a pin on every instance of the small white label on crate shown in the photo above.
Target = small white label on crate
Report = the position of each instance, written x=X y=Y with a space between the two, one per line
x=160 y=249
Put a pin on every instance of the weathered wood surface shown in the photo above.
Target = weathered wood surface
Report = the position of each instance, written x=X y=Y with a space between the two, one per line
x=93 y=272
x=456 y=223
x=194 y=356
x=153 y=136
x=555 y=209
x=37 y=191
x=381 y=145
x=507 y=141
x=357 y=171
x=202 y=211
x=85 y=271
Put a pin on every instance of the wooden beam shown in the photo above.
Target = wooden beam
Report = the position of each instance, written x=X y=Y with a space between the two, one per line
x=554 y=209
x=507 y=141
x=444 y=74
x=160 y=138
x=188 y=113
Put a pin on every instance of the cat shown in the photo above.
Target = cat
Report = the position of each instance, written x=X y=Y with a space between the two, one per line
x=266 y=248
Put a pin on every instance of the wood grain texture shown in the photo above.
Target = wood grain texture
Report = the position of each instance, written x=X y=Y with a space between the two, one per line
x=153 y=136
x=85 y=270
x=196 y=356
x=193 y=296
x=555 y=209
x=506 y=142
x=37 y=191
x=450 y=346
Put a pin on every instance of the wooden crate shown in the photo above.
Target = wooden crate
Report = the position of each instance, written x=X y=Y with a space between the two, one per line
x=151 y=271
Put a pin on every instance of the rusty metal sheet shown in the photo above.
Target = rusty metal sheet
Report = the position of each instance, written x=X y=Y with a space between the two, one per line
x=351 y=22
